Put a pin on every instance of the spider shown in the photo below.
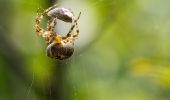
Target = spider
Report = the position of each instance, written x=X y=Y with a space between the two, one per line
x=59 y=47
x=60 y=12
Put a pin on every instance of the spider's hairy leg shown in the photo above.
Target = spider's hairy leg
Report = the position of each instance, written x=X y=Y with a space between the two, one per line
x=76 y=34
x=38 y=19
x=48 y=25
x=40 y=31
x=51 y=24
x=50 y=8
x=71 y=33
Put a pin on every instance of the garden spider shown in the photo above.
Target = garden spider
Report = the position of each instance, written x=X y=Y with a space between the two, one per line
x=59 y=47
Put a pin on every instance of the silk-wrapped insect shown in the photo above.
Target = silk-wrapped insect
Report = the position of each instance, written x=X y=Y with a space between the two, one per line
x=61 y=13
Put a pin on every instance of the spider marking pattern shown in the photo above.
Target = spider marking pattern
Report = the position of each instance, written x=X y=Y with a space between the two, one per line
x=59 y=47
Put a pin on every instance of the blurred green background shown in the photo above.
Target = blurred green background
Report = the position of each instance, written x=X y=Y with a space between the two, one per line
x=122 y=52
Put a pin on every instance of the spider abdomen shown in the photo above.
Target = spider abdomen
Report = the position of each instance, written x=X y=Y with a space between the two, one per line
x=62 y=14
x=60 y=50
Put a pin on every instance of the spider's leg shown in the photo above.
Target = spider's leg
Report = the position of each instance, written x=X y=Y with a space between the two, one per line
x=51 y=24
x=70 y=33
x=48 y=25
x=40 y=31
x=50 y=8
x=76 y=34
x=39 y=11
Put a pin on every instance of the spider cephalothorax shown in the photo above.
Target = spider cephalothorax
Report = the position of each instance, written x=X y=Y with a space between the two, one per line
x=59 y=47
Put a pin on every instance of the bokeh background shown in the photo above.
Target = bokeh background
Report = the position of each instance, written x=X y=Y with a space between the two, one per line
x=122 y=52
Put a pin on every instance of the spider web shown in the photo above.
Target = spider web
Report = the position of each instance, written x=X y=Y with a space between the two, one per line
x=65 y=27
